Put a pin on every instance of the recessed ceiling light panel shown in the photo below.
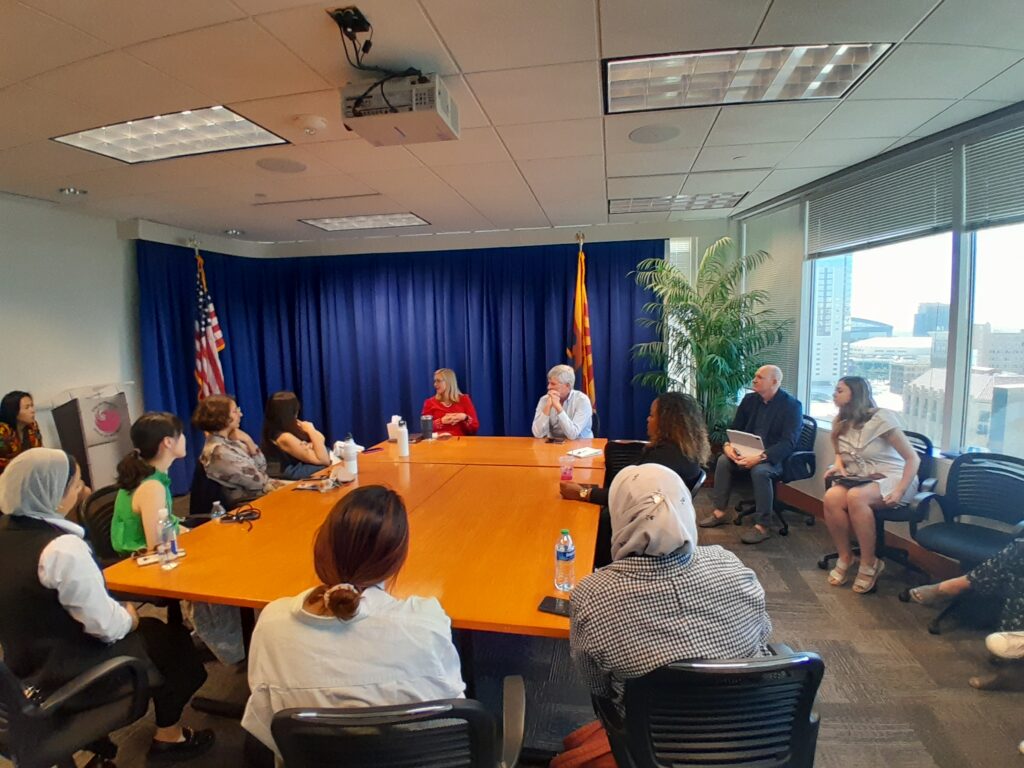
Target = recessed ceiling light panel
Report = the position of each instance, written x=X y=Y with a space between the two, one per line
x=192 y=132
x=376 y=221
x=675 y=203
x=743 y=76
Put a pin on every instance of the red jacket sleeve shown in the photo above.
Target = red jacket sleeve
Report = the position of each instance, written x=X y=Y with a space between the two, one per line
x=471 y=425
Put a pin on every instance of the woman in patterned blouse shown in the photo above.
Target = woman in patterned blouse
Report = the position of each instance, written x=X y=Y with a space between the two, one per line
x=230 y=457
x=18 y=428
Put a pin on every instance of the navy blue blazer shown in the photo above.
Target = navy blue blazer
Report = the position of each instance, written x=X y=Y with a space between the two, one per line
x=784 y=420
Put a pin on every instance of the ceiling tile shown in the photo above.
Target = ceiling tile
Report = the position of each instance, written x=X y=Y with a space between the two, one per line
x=842 y=152
x=470 y=113
x=329 y=189
x=723 y=181
x=647 y=163
x=579 y=209
x=630 y=28
x=637 y=218
x=791 y=178
x=933 y=72
x=475 y=145
x=358 y=156
x=124 y=22
x=237 y=61
x=644 y=186
x=539 y=94
x=280 y=116
x=142 y=91
x=693 y=126
x=494 y=34
x=28 y=114
x=498 y=191
x=1007 y=86
x=245 y=161
x=712 y=213
x=571 y=190
x=734 y=157
x=966 y=22
x=763 y=123
x=863 y=21
x=32 y=42
x=879 y=118
x=47 y=159
x=402 y=38
x=566 y=138
x=960 y=112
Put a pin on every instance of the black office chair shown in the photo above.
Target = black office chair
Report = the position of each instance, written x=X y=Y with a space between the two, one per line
x=432 y=734
x=734 y=712
x=96 y=514
x=799 y=465
x=595 y=424
x=987 y=486
x=202 y=495
x=901 y=513
x=622 y=453
x=38 y=732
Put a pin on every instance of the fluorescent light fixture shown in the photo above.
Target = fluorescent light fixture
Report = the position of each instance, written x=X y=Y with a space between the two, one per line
x=675 y=203
x=376 y=221
x=192 y=132
x=746 y=76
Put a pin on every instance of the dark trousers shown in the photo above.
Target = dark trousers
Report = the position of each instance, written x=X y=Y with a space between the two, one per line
x=603 y=545
x=1002 y=575
x=170 y=650
x=762 y=477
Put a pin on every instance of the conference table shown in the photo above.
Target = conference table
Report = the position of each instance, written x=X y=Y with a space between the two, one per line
x=484 y=515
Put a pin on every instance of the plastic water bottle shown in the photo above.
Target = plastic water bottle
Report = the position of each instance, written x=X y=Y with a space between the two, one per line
x=403 y=438
x=217 y=510
x=565 y=562
x=350 y=454
x=167 y=542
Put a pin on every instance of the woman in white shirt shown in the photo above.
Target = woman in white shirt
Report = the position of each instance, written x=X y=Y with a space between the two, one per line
x=875 y=467
x=347 y=642
x=59 y=619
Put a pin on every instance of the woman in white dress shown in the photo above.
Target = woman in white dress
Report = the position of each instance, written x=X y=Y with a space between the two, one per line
x=875 y=467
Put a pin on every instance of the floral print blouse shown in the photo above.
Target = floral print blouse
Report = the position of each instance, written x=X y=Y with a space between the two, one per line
x=12 y=443
x=228 y=462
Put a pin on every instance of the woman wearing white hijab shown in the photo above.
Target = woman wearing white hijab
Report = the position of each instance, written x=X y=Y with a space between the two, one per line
x=59 y=619
x=663 y=598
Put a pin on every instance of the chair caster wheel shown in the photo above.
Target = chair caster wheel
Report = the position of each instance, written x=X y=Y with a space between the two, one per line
x=904 y=596
x=784 y=532
x=823 y=563
x=934 y=630
x=738 y=521
x=808 y=521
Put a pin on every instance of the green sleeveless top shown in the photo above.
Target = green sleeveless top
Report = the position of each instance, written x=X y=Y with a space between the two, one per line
x=127 y=534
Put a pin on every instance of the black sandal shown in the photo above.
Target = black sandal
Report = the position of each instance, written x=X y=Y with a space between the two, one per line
x=195 y=744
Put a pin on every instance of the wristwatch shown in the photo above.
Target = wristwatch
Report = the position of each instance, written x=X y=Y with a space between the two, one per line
x=585 y=492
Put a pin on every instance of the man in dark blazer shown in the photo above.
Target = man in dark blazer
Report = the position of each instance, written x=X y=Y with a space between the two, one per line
x=775 y=416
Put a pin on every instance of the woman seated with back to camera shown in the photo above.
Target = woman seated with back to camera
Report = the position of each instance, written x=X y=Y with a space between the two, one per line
x=452 y=410
x=296 y=447
x=347 y=642
x=678 y=440
x=663 y=598
x=230 y=457
x=872 y=449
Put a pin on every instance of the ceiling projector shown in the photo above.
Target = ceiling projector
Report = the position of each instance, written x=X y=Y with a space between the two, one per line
x=408 y=109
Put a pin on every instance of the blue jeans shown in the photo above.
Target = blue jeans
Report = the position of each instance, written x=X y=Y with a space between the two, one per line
x=301 y=471
x=762 y=477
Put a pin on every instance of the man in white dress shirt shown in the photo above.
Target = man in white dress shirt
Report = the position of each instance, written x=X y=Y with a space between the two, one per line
x=563 y=412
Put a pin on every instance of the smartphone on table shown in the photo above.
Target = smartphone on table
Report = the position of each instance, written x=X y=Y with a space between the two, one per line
x=556 y=605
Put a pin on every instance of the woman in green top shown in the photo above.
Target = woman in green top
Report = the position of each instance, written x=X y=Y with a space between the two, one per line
x=142 y=477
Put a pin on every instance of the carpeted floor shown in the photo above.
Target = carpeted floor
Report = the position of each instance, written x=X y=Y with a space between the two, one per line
x=893 y=696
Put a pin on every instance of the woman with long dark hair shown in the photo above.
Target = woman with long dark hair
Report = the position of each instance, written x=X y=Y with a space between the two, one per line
x=18 y=428
x=145 y=487
x=347 y=642
x=875 y=467
x=294 y=449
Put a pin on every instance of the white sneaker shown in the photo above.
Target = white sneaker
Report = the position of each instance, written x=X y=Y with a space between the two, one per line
x=1006 y=645
x=1021 y=747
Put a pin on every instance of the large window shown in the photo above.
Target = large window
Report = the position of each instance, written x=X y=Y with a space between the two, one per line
x=994 y=417
x=883 y=313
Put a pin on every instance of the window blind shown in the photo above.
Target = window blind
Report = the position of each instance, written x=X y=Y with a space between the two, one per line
x=910 y=201
x=994 y=179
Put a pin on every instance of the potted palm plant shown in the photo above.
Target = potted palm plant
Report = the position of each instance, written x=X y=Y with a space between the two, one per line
x=710 y=333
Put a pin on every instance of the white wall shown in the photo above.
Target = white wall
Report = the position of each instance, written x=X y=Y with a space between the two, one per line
x=68 y=306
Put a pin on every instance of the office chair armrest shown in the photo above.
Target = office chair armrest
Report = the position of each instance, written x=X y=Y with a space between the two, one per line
x=1018 y=530
x=780 y=649
x=919 y=505
x=799 y=465
x=928 y=485
x=513 y=720
x=138 y=679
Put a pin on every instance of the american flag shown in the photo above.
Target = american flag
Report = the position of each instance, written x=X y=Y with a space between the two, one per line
x=209 y=339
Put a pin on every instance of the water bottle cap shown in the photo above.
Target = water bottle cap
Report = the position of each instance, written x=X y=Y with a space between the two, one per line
x=565 y=531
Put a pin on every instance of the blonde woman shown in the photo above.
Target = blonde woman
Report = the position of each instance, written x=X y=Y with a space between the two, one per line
x=875 y=467
x=452 y=410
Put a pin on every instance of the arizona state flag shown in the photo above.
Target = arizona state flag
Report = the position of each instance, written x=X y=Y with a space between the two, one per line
x=582 y=353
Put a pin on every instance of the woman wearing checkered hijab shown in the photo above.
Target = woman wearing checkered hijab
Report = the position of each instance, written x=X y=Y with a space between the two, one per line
x=663 y=598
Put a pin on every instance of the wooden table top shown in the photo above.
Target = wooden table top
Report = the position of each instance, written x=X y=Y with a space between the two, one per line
x=494 y=451
x=482 y=541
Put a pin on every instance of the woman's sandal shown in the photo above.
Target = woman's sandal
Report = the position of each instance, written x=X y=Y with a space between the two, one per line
x=929 y=594
x=839 y=575
x=867 y=578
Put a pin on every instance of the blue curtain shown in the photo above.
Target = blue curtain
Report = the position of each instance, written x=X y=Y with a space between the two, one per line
x=359 y=337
